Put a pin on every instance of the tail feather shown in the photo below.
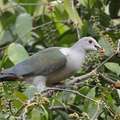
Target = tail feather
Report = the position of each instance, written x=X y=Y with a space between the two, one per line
x=7 y=77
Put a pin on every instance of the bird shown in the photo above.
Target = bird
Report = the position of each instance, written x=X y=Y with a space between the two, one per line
x=51 y=65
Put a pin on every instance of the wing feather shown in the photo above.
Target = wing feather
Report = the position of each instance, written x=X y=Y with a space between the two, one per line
x=41 y=63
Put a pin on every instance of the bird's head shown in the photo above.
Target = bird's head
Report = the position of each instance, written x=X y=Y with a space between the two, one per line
x=88 y=43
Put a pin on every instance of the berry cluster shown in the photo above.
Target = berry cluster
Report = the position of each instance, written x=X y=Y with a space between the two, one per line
x=111 y=42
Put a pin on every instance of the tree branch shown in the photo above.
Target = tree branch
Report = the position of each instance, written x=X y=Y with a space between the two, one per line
x=106 y=78
x=34 y=28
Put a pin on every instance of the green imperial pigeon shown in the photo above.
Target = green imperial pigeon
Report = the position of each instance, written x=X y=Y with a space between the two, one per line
x=52 y=65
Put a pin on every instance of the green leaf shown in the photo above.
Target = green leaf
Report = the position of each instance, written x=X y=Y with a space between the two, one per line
x=114 y=67
x=83 y=2
x=12 y=118
x=23 y=25
x=63 y=114
x=65 y=94
x=84 y=28
x=114 y=7
x=87 y=103
x=50 y=113
x=58 y=101
x=68 y=38
x=84 y=90
x=93 y=111
x=73 y=16
x=109 y=50
x=9 y=35
x=117 y=110
x=60 y=12
x=45 y=111
x=35 y=114
x=20 y=96
x=29 y=92
x=91 y=3
x=2 y=116
x=17 y=53
x=87 y=3
x=118 y=91
x=110 y=100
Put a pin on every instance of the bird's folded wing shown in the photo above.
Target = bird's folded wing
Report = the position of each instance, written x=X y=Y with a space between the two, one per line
x=41 y=63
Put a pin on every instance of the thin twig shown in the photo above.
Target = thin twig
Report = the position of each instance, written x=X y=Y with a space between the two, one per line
x=106 y=60
x=75 y=92
x=75 y=19
x=22 y=106
x=76 y=79
x=22 y=4
x=34 y=28
x=72 y=91
x=106 y=78
x=17 y=99
x=98 y=108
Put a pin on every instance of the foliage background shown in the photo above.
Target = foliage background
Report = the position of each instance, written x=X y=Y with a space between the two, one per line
x=28 y=26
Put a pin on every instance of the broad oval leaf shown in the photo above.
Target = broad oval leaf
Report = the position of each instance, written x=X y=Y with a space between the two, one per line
x=84 y=90
x=29 y=92
x=114 y=67
x=109 y=50
x=17 y=53
x=23 y=26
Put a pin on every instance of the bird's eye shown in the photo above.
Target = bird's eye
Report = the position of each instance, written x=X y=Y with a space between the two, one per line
x=90 y=41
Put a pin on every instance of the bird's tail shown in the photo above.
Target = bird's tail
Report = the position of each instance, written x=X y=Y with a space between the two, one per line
x=7 y=77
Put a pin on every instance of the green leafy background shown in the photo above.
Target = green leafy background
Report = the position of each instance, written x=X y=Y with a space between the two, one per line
x=23 y=32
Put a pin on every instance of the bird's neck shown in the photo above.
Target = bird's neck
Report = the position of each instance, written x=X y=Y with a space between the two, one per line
x=78 y=48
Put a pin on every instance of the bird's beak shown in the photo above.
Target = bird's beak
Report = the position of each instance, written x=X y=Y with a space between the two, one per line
x=97 y=46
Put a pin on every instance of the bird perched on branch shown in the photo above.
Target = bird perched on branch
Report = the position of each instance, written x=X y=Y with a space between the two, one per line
x=51 y=65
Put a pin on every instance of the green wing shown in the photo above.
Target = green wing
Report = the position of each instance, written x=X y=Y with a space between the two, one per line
x=41 y=63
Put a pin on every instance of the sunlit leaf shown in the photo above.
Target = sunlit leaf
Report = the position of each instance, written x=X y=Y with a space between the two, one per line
x=83 y=2
x=114 y=67
x=17 y=53
x=23 y=25
x=73 y=14
x=118 y=91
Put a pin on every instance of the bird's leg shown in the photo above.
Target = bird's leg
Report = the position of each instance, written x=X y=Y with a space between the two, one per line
x=40 y=82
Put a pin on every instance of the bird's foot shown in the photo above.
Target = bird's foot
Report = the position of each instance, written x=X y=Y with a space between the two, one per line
x=49 y=92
